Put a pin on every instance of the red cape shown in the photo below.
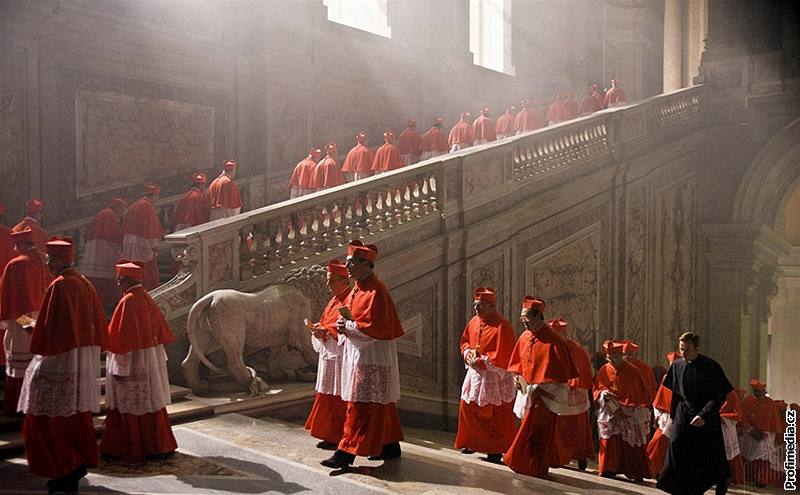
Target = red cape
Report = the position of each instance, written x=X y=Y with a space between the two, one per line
x=192 y=209
x=7 y=249
x=39 y=234
x=590 y=104
x=327 y=174
x=303 y=174
x=461 y=133
x=527 y=120
x=505 y=124
x=105 y=225
x=557 y=112
x=484 y=128
x=409 y=142
x=24 y=283
x=71 y=316
x=359 y=159
x=387 y=158
x=141 y=220
x=331 y=312
x=571 y=107
x=373 y=310
x=583 y=364
x=732 y=407
x=434 y=140
x=496 y=339
x=137 y=323
x=223 y=193
x=626 y=383
x=542 y=357
x=762 y=414
x=663 y=400
x=647 y=375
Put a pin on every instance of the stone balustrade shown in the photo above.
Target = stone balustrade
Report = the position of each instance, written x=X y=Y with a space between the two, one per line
x=403 y=208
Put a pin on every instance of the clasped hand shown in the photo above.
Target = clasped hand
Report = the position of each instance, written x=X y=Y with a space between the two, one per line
x=344 y=325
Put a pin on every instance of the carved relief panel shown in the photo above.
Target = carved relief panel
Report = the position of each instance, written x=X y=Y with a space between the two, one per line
x=419 y=351
x=636 y=265
x=12 y=134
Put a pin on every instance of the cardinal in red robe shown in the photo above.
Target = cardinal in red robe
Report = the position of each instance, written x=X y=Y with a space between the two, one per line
x=102 y=250
x=615 y=96
x=461 y=133
x=573 y=439
x=326 y=419
x=370 y=374
x=761 y=431
x=409 y=143
x=22 y=289
x=592 y=102
x=223 y=197
x=505 y=123
x=34 y=210
x=302 y=180
x=327 y=173
x=659 y=444
x=527 y=118
x=192 y=209
x=543 y=366
x=486 y=414
x=623 y=419
x=61 y=388
x=433 y=142
x=557 y=111
x=630 y=350
x=137 y=385
x=483 y=129
x=387 y=157
x=141 y=231
x=358 y=163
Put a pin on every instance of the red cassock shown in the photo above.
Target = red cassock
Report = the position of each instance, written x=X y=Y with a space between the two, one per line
x=557 y=112
x=460 y=134
x=326 y=419
x=141 y=231
x=614 y=96
x=483 y=129
x=358 y=160
x=39 y=234
x=22 y=290
x=571 y=109
x=629 y=390
x=192 y=210
x=387 y=158
x=647 y=375
x=590 y=104
x=659 y=444
x=731 y=414
x=102 y=250
x=433 y=141
x=409 y=144
x=542 y=358
x=371 y=387
x=527 y=120
x=137 y=389
x=505 y=125
x=763 y=415
x=486 y=420
x=223 y=193
x=303 y=175
x=69 y=334
x=573 y=438
x=327 y=174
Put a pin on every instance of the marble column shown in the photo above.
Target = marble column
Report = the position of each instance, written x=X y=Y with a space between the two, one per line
x=783 y=368
x=673 y=45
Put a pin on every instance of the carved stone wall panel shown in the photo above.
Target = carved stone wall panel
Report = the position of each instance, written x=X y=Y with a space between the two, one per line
x=636 y=259
x=221 y=265
x=479 y=178
x=567 y=275
x=13 y=167
x=675 y=253
x=419 y=347
x=288 y=139
x=126 y=140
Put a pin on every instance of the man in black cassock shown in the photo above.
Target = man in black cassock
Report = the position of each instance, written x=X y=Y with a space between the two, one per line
x=696 y=457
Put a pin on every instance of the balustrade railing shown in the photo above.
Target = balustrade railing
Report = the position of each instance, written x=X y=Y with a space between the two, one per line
x=254 y=249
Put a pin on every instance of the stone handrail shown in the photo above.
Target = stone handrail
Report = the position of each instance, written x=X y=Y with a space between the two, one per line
x=402 y=208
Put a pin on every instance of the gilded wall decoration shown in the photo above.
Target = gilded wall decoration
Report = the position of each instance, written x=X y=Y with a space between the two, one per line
x=220 y=267
x=675 y=224
x=636 y=265
x=124 y=140
x=567 y=276
x=13 y=169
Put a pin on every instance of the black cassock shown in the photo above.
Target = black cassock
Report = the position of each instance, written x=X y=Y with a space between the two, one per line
x=696 y=457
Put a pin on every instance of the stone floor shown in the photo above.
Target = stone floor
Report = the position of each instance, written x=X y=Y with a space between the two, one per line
x=235 y=454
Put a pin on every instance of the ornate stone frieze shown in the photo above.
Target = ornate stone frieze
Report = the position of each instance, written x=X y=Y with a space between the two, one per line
x=220 y=263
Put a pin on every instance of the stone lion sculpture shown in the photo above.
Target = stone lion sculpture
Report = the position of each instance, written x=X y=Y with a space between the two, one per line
x=230 y=320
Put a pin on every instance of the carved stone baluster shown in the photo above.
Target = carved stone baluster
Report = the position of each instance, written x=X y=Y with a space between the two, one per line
x=245 y=253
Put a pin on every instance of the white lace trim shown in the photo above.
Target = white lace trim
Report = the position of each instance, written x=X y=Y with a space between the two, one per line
x=369 y=369
x=553 y=395
x=663 y=421
x=135 y=248
x=137 y=382
x=99 y=258
x=62 y=385
x=731 y=438
x=17 y=345
x=329 y=369
x=753 y=449
x=488 y=385
x=632 y=423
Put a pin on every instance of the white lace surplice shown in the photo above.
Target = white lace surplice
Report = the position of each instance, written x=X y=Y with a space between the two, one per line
x=17 y=345
x=553 y=395
x=369 y=369
x=135 y=248
x=62 y=385
x=731 y=438
x=663 y=421
x=137 y=382
x=329 y=369
x=100 y=257
x=487 y=386
x=632 y=423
